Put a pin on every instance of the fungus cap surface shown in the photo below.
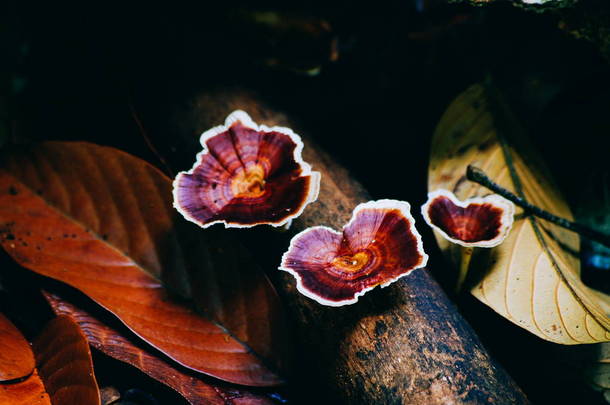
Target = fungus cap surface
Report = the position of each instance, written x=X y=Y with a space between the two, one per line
x=246 y=175
x=476 y=222
x=378 y=246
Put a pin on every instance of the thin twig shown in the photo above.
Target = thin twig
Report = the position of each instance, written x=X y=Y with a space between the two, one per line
x=478 y=176
x=151 y=146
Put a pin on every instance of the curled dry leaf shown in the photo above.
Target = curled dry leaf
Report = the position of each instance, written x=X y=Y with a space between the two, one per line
x=102 y=221
x=533 y=278
x=64 y=363
x=64 y=373
x=113 y=343
x=16 y=357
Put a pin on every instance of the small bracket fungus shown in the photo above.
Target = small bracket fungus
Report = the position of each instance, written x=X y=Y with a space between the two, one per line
x=476 y=222
x=378 y=246
x=246 y=175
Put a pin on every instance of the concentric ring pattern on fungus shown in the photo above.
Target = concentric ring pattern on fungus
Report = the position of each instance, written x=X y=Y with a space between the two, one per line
x=476 y=222
x=378 y=246
x=246 y=175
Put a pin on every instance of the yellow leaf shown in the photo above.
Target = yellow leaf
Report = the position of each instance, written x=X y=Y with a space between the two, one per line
x=533 y=278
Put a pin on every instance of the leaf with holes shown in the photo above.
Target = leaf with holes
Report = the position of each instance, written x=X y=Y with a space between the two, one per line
x=102 y=221
x=197 y=390
x=533 y=278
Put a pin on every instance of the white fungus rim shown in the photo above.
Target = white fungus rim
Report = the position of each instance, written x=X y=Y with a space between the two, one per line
x=506 y=220
x=405 y=210
x=244 y=118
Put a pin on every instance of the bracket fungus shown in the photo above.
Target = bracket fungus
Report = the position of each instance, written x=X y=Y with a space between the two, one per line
x=378 y=246
x=246 y=175
x=475 y=222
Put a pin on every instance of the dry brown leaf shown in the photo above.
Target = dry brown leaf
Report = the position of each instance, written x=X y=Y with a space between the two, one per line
x=533 y=278
x=64 y=362
x=30 y=391
x=102 y=221
x=197 y=390
x=17 y=361
x=16 y=357
x=64 y=373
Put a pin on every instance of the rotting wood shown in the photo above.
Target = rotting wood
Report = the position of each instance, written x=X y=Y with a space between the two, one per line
x=405 y=344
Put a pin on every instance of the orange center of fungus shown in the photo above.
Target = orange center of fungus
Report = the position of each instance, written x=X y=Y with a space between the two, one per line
x=249 y=183
x=351 y=263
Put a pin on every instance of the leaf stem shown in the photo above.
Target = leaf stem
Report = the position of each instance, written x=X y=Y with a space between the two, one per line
x=477 y=175
x=466 y=255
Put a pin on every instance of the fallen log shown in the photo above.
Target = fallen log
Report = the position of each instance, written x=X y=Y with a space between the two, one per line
x=404 y=344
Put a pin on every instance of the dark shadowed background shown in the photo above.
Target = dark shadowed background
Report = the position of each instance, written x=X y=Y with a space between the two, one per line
x=368 y=81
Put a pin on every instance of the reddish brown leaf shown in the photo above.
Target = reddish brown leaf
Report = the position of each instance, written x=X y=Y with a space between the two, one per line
x=16 y=357
x=102 y=221
x=197 y=391
x=31 y=391
x=64 y=363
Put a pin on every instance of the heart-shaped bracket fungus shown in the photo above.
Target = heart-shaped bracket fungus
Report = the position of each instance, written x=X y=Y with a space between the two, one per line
x=378 y=246
x=246 y=175
x=476 y=222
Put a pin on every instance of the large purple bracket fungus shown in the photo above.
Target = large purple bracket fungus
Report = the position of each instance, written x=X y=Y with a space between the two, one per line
x=476 y=222
x=378 y=246
x=246 y=175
